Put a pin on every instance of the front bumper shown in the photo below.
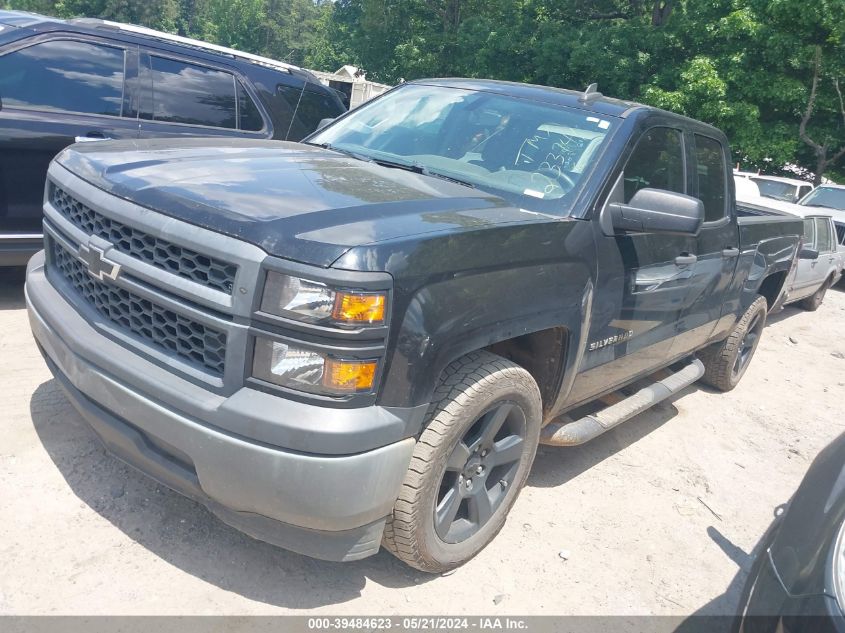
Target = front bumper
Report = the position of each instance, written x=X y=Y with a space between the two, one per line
x=326 y=506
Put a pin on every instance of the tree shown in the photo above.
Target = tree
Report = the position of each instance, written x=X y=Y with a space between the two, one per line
x=822 y=150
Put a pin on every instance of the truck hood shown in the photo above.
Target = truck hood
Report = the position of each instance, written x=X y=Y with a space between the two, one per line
x=294 y=201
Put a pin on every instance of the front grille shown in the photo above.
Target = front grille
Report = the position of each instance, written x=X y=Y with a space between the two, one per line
x=155 y=324
x=152 y=250
x=840 y=233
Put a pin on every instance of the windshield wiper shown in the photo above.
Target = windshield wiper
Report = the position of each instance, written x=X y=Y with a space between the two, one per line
x=345 y=152
x=419 y=168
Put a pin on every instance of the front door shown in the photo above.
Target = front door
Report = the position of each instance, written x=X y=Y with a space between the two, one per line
x=643 y=279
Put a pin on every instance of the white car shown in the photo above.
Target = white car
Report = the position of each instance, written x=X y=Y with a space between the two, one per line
x=820 y=261
x=831 y=198
x=783 y=189
x=819 y=264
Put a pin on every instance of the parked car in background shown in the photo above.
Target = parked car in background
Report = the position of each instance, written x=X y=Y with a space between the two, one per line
x=746 y=189
x=820 y=261
x=832 y=199
x=819 y=264
x=784 y=189
x=87 y=80
x=797 y=582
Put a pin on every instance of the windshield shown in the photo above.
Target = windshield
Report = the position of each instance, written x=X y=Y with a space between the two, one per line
x=528 y=152
x=829 y=197
x=777 y=190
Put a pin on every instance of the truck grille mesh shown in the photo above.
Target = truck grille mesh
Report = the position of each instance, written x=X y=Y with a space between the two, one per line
x=152 y=250
x=164 y=328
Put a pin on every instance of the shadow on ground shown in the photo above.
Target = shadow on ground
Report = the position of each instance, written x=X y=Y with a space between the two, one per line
x=712 y=617
x=186 y=535
x=554 y=466
x=785 y=313
x=11 y=288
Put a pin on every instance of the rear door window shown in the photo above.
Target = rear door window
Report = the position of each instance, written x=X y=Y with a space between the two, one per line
x=809 y=233
x=188 y=94
x=66 y=75
x=711 y=177
x=824 y=235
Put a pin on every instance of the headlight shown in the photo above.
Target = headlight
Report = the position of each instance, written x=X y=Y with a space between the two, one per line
x=306 y=370
x=315 y=302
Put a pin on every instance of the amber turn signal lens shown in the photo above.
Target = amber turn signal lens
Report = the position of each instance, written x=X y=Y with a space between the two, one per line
x=358 y=308
x=349 y=376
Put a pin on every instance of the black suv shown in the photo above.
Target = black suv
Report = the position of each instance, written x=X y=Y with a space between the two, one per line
x=85 y=79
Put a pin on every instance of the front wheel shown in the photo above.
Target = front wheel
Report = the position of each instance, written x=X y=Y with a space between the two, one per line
x=725 y=362
x=469 y=464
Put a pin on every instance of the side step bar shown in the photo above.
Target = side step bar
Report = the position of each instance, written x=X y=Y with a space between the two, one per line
x=572 y=433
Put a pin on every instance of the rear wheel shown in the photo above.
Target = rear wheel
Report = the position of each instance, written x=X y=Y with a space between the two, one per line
x=726 y=361
x=469 y=465
x=814 y=301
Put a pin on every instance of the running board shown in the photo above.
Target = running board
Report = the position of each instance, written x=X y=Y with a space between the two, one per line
x=572 y=433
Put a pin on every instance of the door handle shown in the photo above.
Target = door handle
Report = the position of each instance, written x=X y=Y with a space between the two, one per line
x=685 y=260
x=730 y=252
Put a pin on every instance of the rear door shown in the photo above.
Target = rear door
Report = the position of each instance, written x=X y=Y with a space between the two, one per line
x=808 y=273
x=55 y=90
x=715 y=255
x=180 y=96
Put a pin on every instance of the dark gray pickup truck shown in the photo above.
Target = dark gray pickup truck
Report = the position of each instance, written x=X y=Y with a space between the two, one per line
x=361 y=339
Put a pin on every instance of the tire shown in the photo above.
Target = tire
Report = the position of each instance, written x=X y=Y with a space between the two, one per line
x=725 y=362
x=814 y=301
x=460 y=442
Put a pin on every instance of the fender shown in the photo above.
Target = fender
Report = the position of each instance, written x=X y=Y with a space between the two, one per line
x=480 y=288
x=768 y=245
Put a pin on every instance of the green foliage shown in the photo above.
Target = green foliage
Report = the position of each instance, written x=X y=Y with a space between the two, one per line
x=743 y=65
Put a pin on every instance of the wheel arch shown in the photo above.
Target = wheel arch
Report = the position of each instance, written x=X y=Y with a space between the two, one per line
x=771 y=288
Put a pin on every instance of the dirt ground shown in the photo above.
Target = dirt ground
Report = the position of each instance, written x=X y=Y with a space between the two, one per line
x=656 y=517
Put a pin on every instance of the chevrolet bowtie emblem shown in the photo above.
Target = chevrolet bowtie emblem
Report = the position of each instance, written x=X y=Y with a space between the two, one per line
x=98 y=266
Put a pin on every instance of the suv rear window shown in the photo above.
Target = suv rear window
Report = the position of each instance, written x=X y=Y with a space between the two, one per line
x=314 y=107
x=310 y=107
x=190 y=94
x=249 y=118
x=64 y=75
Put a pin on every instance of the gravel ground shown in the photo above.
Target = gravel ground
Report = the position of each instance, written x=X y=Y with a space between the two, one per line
x=656 y=517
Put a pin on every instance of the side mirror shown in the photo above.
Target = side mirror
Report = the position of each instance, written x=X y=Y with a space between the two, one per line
x=808 y=253
x=323 y=123
x=658 y=211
